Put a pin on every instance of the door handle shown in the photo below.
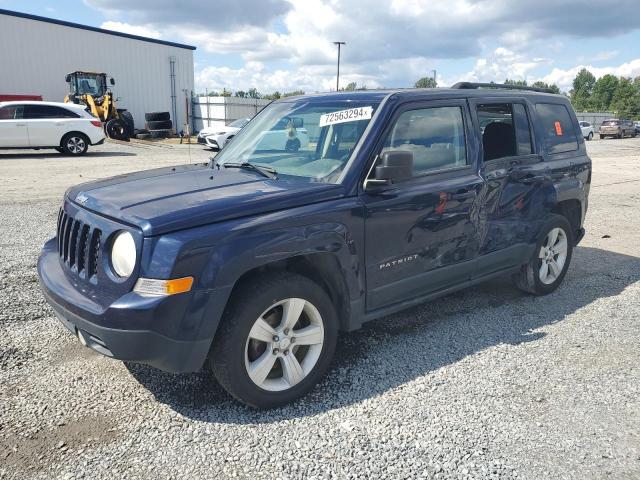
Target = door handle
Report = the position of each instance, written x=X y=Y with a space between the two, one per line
x=463 y=194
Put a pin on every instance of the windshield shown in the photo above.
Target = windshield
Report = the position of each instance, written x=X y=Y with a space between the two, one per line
x=310 y=138
x=239 y=123
x=89 y=84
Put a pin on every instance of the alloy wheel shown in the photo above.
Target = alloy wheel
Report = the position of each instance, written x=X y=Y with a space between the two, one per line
x=75 y=145
x=284 y=344
x=553 y=255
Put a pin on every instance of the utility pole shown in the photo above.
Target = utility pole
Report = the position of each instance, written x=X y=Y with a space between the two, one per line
x=338 y=75
x=435 y=80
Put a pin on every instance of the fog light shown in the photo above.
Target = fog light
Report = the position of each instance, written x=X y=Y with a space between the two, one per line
x=151 y=286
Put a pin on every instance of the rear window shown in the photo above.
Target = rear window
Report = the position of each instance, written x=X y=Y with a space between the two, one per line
x=611 y=123
x=560 y=135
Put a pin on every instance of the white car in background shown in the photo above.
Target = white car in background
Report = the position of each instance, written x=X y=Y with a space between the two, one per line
x=66 y=127
x=587 y=130
x=216 y=137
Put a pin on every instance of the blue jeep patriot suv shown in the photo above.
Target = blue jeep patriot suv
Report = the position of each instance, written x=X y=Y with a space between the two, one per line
x=251 y=264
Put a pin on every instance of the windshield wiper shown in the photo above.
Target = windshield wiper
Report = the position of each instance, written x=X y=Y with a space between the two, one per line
x=262 y=170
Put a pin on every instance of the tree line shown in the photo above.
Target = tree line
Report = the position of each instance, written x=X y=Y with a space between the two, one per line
x=620 y=95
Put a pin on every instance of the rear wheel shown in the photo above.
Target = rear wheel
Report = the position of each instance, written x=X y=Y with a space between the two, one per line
x=74 y=144
x=276 y=340
x=550 y=261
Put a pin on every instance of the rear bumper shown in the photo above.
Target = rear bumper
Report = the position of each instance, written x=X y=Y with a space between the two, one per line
x=94 y=325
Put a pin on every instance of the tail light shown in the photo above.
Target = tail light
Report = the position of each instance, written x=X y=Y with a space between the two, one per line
x=96 y=123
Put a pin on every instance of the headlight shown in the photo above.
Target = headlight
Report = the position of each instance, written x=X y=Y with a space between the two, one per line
x=123 y=254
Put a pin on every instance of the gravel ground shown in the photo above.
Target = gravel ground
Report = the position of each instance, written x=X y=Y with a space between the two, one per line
x=485 y=383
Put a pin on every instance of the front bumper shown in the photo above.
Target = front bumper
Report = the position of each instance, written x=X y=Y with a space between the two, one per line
x=101 y=328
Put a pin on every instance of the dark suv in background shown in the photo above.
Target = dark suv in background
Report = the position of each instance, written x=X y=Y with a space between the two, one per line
x=255 y=262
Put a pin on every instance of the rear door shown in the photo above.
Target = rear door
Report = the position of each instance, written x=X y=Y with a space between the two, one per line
x=516 y=183
x=47 y=124
x=13 y=129
x=421 y=235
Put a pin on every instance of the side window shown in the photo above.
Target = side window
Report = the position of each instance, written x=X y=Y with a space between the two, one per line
x=435 y=136
x=505 y=130
x=48 y=111
x=558 y=130
x=11 y=112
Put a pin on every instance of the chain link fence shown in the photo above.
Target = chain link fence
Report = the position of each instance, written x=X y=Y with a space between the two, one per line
x=208 y=111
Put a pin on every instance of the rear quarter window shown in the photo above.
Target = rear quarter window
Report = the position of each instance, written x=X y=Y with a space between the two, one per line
x=558 y=130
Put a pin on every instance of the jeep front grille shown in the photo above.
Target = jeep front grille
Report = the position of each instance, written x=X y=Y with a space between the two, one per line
x=78 y=245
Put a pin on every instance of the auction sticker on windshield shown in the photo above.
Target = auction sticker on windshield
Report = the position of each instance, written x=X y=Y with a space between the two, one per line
x=349 y=115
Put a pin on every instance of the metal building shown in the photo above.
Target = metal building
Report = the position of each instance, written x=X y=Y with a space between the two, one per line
x=151 y=75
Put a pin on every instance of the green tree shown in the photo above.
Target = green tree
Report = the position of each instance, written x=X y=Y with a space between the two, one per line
x=540 y=84
x=603 y=92
x=253 y=93
x=517 y=83
x=582 y=90
x=240 y=94
x=426 y=82
x=626 y=99
x=351 y=87
x=272 y=96
x=293 y=94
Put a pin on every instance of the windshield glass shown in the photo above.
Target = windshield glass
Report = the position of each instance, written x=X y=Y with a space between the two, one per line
x=239 y=123
x=90 y=84
x=310 y=138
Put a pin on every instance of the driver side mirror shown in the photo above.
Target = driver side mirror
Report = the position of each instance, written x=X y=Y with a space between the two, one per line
x=395 y=166
x=112 y=81
x=67 y=79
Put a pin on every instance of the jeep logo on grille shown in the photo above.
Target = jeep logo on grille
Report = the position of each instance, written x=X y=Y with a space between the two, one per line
x=82 y=199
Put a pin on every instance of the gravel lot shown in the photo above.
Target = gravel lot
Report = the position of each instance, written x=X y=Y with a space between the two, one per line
x=485 y=383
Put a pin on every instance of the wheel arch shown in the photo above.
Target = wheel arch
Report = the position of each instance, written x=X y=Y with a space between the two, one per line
x=571 y=209
x=75 y=132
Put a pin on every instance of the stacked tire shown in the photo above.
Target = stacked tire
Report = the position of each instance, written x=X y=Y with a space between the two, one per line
x=159 y=124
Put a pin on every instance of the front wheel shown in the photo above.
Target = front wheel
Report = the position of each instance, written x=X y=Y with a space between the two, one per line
x=550 y=261
x=590 y=136
x=276 y=340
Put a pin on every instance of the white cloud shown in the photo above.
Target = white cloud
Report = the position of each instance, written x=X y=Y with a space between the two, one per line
x=564 y=78
x=503 y=64
x=141 y=30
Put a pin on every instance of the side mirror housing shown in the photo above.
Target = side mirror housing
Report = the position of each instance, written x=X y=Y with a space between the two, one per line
x=67 y=79
x=395 y=166
x=112 y=81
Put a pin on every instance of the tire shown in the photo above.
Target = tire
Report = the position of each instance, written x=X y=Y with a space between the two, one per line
x=590 y=136
x=116 y=129
x=234 y=350
x=160 y=125
x=74 y=144
x=157 y=116
x=292 y=145
x=143 y=136
x=532 y=278
x=159 y=133
x=127 y=118
x=602 y=137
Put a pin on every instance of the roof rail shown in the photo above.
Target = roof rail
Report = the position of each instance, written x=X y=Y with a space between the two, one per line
x=472 y=85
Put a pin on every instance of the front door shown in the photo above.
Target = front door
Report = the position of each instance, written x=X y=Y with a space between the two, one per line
x=421 y=234
x=13 y=129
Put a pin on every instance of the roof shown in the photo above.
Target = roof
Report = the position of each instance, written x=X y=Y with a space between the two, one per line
x=93 y=29
x=36 y=102
x=378 y=95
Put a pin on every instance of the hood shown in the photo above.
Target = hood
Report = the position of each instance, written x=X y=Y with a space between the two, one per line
x=174 y=198
x=212 y=130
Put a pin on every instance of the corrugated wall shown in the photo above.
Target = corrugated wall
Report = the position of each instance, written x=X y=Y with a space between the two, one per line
x=35 y=56
x=220 y=111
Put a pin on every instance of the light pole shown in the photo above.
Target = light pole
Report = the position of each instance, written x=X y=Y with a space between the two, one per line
x=338 y=75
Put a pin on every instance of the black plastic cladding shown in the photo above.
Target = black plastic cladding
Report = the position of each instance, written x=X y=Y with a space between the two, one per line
x=79 y=246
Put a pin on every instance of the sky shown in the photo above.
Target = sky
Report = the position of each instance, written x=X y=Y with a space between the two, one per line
x=286 y=45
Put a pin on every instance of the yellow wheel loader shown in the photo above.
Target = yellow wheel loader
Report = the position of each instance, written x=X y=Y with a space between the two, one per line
x=91 y=89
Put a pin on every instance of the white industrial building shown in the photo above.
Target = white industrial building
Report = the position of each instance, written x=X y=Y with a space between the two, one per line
x=151 y=75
